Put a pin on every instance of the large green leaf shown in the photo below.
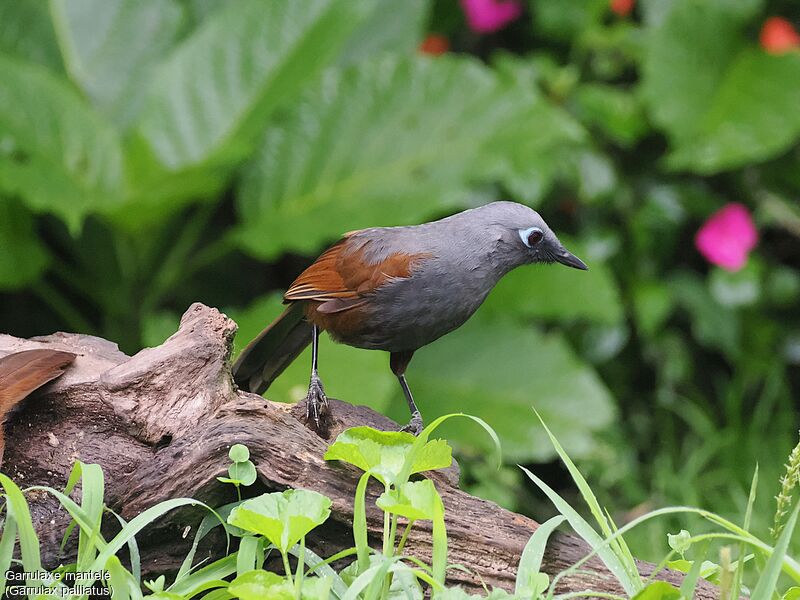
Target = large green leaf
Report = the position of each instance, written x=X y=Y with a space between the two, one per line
x=414 y=500
x=400 y=34
x=384 y=453
x=387 y=142
x=497 y=369
x=214 y=94
x=752 y=117
x=723 y=102
x=26 y=32
x=540 y=148
x=58 y=155
x=22 y=258
x=110 y=46
x=282 y=517
x=258 y=584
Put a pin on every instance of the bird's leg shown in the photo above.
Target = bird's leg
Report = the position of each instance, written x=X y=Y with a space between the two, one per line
x=316 y=401
x=398 y=362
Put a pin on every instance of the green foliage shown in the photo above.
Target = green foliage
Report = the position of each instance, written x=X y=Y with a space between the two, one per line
x=282 y=518
x=282 y=521
x=242 y=470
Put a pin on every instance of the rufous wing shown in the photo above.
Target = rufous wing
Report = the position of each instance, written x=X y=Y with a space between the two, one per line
x=342 y=279
x=23 y=372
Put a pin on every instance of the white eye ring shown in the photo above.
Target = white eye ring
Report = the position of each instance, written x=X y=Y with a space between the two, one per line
x=524 y=234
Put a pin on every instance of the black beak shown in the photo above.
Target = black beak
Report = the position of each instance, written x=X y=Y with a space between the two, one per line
x=569 y=259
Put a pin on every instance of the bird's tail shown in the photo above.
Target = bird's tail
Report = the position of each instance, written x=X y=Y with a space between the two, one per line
x=273 y=350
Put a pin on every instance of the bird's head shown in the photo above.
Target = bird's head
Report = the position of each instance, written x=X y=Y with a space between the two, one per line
x=525 y=238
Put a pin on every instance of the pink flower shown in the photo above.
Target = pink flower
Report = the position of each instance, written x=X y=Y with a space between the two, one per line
x=485 y=16
x=727 y=237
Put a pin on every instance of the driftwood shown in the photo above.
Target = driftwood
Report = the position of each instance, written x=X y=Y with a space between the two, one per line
x=160 y=424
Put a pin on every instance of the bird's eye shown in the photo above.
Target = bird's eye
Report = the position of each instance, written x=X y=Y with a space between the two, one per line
x=531 y=236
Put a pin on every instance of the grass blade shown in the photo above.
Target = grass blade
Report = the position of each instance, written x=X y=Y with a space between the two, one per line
x=769 y=577
x=246 y=556
x=133 y=550
x=210 y=576
x=740 y=564
x=7 y=549
x=135 y=526
x=531 y=560
x=17 y=508
x=360 y=523
x=690 y=580
x=439 y=558
x=583 y=529
x=314 y=562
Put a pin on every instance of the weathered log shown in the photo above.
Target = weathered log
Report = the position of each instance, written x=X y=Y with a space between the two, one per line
x=160 y=424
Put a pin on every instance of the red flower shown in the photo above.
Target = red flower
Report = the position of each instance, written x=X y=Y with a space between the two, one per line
x=486 y=16
x=778 y=36
x=727 y=237
x=621 y=7
x=434 y=44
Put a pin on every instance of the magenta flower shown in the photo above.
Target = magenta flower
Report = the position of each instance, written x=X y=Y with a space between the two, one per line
x=727 y=237
x=486 y=16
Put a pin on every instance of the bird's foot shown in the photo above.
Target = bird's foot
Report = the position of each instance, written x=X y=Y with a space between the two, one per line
x=415 y=425
x=316 y=402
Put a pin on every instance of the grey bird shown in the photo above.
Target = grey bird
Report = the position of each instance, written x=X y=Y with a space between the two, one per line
x=398 y=289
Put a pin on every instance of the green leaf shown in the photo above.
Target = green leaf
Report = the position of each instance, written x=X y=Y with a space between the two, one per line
x=414 y=500
x=652 y=305
x=282 y=517
x=530 y=157
x=565 y=21
x=383 y=453
x=738 y=108
x=17 y=509
x=215 y=92
x=680 y=542
x=614 y=111
x=768 y=580
x=259 y=584
x=23 y=258
x=497 y=369
x=752 y=117
x=690 y=581
x=316 y=588
x=400 y=35
x=558 y=293
x=326 y=168
x=612 y=561
x=239 y=453
x=125 y=586
x=243 y=472
x=659 y=590
x=528 y=575
x=713 y=325
x=110 y=47
x=793 y=593
x=57 y=155
x=632 y=579
x=26 y=32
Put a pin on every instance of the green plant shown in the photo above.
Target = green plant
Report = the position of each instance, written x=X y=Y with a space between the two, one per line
x=242 y=471
x=281 y=521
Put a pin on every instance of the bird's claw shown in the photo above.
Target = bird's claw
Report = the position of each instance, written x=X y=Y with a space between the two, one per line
x=316 y=401
x=415 y=425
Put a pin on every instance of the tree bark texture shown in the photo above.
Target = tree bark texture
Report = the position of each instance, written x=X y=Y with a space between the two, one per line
x=160 y=424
